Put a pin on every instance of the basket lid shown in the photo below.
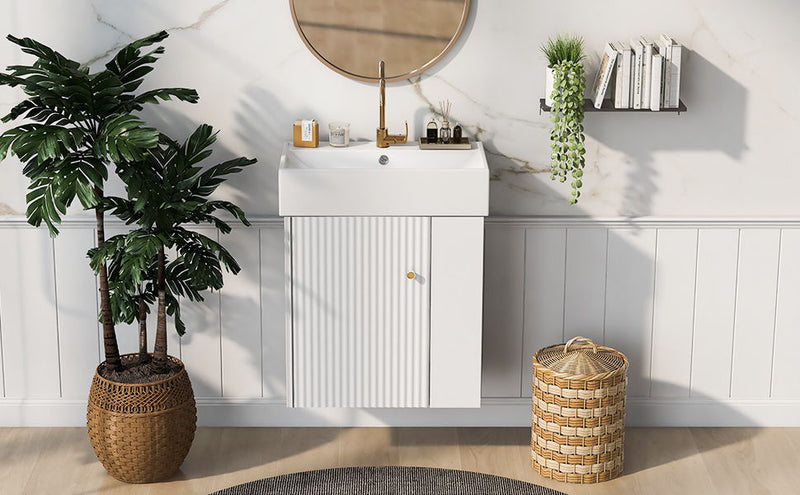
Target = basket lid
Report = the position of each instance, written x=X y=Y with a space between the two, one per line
x=581 y=356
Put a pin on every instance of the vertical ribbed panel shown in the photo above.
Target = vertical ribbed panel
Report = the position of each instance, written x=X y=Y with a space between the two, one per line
x=360 y=325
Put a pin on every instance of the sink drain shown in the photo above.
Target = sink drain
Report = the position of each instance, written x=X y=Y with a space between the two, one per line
x=383 y=160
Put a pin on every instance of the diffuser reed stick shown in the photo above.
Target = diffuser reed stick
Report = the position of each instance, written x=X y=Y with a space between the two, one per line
x=444 y=107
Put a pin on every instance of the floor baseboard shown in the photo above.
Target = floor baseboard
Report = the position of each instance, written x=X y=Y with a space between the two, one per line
x=493 y=412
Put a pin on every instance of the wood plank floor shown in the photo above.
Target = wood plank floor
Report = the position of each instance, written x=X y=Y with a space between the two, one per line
x=658 y=460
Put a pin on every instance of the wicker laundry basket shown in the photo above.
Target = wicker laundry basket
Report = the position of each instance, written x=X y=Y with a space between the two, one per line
x=578 y=427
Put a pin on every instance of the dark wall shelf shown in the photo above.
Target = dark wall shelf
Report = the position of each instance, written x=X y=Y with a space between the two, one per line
x=608 y=106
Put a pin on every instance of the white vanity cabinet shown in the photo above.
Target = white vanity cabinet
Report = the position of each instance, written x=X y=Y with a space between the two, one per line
x=384 y=302
x=384 y=311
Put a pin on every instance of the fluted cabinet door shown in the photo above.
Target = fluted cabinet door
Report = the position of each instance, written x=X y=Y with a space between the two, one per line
x=360 y=307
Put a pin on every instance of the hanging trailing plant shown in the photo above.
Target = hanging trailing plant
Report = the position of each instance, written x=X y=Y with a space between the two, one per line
x=565 y=55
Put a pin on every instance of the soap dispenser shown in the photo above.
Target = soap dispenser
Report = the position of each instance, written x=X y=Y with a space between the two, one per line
x=457 y=132
x=432 y=132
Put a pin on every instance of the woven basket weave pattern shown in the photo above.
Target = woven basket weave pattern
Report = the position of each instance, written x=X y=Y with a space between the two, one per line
x=141 y=433
x=578 y=406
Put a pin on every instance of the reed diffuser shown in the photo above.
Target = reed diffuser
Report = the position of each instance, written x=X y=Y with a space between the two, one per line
x=444 y=131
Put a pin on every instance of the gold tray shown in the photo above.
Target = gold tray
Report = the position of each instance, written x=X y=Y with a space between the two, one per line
x=464 y=144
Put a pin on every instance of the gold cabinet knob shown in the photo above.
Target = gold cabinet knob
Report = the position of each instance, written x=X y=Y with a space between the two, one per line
x=411 y=275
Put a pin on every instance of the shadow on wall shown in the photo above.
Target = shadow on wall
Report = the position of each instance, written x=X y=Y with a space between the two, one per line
x=714 y=121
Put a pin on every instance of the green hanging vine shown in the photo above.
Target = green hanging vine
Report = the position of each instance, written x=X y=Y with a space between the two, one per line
x=567 y=140
x=564 y=55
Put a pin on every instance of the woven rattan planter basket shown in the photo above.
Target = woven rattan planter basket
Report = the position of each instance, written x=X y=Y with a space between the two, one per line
x=578 y=427
x=141 y=433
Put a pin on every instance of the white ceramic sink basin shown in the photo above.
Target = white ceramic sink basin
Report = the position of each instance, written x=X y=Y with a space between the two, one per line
x=352 y=182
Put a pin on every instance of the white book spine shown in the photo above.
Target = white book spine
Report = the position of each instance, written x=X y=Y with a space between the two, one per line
x=655 y=82
x=636 y=90
x=607 y=63
x=618 y=80
x=666 y=53
x=647 y=72
x=675 y=76
x=627 y=56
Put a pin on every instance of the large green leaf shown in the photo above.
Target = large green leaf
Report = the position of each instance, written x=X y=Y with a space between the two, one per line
x=209 y=180
x=45 y=203
x=125 y=137
x=166 y=94
x=44 y=52
x=130 y=65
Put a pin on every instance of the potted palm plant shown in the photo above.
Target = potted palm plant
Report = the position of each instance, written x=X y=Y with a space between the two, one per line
x=564 y=94
x=166 y=192
x=82 y=125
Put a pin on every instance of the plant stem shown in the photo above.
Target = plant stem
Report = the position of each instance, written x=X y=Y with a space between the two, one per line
x=159 y=364
x=111 y=347
x=144 y=357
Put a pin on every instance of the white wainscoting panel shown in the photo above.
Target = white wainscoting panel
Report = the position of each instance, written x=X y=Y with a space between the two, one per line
x=785 y=382
x=629 y=301
x=504 y=283
x=240 y=316
x=585 y=289
x=673 y=312
x=718 y=298
x=754 y=330
x=77 y=308
x=28 y=305
x=545 y=262
x=273 y=330
x=715 y=303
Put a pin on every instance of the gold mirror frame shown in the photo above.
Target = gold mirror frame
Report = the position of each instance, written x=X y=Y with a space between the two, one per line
x=361 y=77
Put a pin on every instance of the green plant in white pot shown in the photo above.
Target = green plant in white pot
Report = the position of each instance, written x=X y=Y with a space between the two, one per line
x=565 y=60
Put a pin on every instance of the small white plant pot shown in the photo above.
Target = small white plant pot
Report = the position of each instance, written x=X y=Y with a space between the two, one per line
x=549 y=82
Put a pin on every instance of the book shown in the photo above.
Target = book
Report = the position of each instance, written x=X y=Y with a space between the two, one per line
x=636 y=74
x=675 y=76
x=607 y=63
x=647 y=70
x=624 y=76
x=618 y=79
x=656 y=82
x=665 y=49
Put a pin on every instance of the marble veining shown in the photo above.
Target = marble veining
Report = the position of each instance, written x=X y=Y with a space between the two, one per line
x=255 y=76
x=202 y=18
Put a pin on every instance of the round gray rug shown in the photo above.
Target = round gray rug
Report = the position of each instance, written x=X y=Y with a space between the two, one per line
x=387 y=481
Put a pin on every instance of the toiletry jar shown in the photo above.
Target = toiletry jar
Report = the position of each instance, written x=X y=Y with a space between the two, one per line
x=305 y=133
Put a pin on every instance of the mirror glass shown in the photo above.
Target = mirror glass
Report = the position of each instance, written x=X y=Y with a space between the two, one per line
x=351 y=36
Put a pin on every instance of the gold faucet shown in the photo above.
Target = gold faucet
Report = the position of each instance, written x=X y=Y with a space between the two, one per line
x=384 y=139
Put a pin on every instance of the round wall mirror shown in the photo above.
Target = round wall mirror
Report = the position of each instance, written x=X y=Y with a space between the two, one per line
x=351 y=36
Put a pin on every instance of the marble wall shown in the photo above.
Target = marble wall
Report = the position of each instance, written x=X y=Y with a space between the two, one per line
x=730 y=155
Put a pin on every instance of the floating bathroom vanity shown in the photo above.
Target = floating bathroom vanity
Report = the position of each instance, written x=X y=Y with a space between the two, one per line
x=384 y=275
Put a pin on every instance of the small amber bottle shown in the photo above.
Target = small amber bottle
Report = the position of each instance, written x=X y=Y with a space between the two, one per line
x=305 y=133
